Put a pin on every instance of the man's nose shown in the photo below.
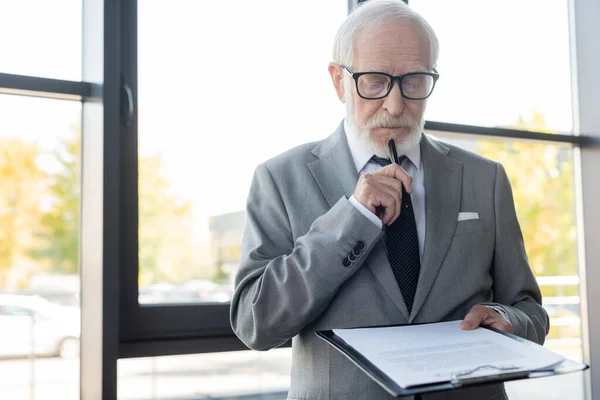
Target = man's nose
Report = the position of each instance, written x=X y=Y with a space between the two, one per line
x=394 y=102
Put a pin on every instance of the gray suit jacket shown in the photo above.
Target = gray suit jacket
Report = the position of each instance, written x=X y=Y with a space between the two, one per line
x=301 y=227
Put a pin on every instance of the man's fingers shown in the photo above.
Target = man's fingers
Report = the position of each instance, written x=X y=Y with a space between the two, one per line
x=381 y=201
x=380 y=194
x=498 y=322
x=471 y=321
x=474 y=318
x=396 y=171
x=393 y=183
x=481 y=315
x=392 y=202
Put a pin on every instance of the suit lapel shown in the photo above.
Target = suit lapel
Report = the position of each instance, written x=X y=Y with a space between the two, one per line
x=336 y=175
x=334 y=171
x=443 y=187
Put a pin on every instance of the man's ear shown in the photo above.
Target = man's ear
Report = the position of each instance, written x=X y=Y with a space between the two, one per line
x=337 y=77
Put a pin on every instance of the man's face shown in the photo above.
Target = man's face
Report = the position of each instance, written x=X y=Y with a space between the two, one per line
x=396 y=50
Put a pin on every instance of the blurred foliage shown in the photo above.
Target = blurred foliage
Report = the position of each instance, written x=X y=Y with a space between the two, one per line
x=40 y=216
x=560 y=290
x=59 y=234
x=22 y=185
x=564 y=331
x=165 y=227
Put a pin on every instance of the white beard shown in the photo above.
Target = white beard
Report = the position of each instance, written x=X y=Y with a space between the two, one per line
x=380 y=120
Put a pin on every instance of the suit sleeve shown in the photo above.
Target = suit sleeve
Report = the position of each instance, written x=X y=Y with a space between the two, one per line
x=282 y=285
x=515 y=288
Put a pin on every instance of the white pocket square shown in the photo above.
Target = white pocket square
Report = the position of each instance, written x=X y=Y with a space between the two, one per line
x=464 y=216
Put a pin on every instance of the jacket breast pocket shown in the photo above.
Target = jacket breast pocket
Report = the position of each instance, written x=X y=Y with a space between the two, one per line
x=468 y=226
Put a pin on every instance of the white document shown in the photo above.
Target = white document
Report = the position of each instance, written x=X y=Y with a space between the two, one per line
x=423 y=354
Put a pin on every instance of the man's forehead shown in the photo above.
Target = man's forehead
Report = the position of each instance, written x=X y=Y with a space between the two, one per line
x=391 y=56
x=402 y=42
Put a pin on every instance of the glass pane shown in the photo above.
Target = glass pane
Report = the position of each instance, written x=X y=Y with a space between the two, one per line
x=501 y=61
x=45 y=38
x=220 y=93
x=239 y=375
x=541 y=177
x=39 y=228
x=560 y=387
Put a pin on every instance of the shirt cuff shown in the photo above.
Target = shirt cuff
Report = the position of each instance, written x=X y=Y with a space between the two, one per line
x=500 y=311
x=366 y=212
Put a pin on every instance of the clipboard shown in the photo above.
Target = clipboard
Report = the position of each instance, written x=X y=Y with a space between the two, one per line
x=461 y=380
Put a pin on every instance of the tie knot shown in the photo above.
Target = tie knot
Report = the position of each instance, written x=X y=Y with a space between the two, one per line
x=386 y=161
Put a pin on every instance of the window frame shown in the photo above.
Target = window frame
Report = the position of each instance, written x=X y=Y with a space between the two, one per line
x=155 y=322
x=585 y=83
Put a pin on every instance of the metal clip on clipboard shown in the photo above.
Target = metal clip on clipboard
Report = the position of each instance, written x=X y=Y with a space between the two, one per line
x=461 y=378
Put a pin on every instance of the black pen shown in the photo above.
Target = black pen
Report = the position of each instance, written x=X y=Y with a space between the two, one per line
x=394 y=158
x=379 y=210
x=393 y=154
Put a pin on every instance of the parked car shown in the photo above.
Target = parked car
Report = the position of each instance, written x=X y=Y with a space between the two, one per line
x=202 y=291
x=61 y=297
x=31 y=325
x=193 y=291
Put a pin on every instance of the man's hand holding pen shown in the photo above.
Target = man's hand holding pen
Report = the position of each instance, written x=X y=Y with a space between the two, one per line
x=381 y=191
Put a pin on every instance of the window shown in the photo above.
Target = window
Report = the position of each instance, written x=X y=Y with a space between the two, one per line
x=215 y=100
x=43 y=38
x=39 y=283
x=500 y=61
x=554 y=388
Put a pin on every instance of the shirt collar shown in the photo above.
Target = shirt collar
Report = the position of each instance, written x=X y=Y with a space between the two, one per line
x=361 y=156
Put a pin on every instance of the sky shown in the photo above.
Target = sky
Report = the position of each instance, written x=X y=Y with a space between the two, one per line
x=226 y=85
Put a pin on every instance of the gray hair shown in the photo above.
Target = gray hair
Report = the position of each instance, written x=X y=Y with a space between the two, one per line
x=372 y=15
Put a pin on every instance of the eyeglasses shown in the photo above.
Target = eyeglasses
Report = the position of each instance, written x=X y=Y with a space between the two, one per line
x=377 y=85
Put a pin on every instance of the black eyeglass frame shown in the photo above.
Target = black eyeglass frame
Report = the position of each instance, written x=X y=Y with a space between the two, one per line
x=399 y=78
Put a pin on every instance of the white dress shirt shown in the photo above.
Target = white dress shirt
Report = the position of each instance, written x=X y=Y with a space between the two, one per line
x=413 y=165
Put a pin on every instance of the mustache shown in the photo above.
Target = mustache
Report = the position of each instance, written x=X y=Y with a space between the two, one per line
x=387 y=121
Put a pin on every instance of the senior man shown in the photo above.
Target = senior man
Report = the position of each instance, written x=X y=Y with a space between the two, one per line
x=339 y=237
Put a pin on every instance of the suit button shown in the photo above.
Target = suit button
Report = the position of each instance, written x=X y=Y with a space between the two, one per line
x=356 y=252
x=346 y=262
x=351 y=257
x=360 y=245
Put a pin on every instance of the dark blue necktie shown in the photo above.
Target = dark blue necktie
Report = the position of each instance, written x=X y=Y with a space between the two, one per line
x=403 y=245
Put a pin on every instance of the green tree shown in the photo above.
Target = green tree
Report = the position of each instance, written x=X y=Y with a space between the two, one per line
x=165 y=220
x=165 y=226
x=59 y=236
x=541 y=177
x=22 y=186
